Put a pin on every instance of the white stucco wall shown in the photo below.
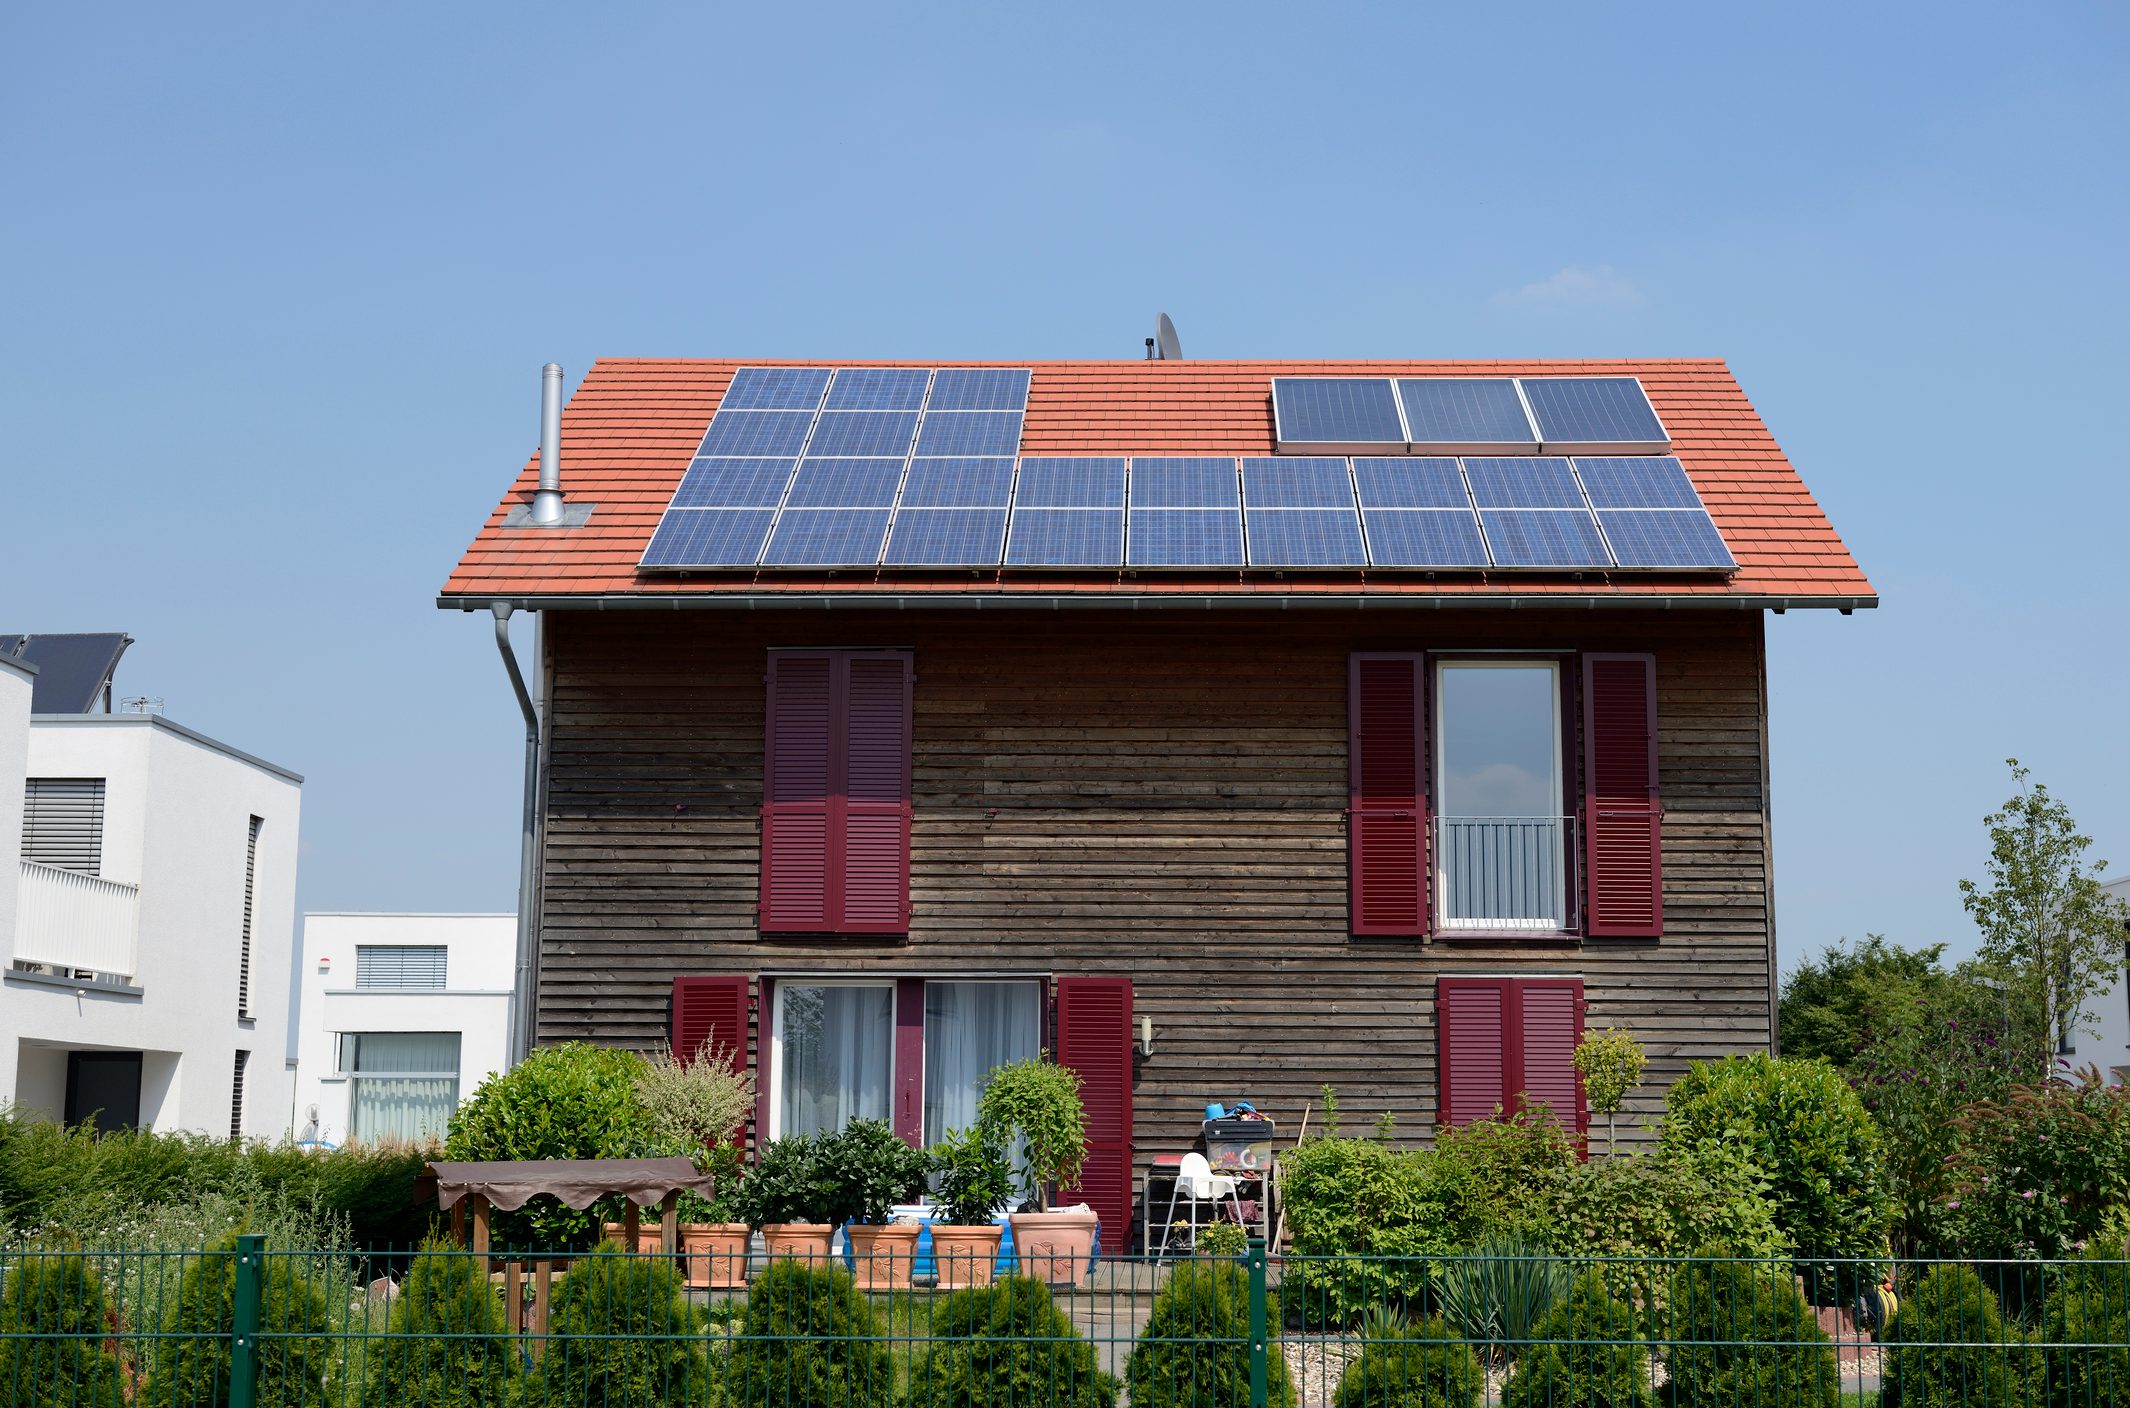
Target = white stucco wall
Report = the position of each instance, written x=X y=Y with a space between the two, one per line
x=2110 y=1048
x=475 y=1002
x=15 y=687
x=177 y=810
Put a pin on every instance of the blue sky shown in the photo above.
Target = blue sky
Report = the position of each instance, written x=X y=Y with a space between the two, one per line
x=278 y=281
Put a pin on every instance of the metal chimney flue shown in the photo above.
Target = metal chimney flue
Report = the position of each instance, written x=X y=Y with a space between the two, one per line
x=547 y=499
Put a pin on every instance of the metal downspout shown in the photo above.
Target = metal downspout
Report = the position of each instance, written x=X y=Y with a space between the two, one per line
x=521 y=987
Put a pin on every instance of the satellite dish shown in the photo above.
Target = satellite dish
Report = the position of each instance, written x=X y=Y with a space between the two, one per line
x=1165 y=345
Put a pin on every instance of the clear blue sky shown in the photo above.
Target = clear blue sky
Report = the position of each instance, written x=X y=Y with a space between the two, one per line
x=278 y=281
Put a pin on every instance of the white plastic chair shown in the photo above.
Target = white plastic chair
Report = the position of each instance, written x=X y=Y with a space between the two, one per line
x=1196 y=1181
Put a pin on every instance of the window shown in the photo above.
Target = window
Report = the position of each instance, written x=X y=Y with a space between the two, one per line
x=835 y=1055
x=1508 y=1043
x=401 y=1085
x=968 y=1029
x=236 y=1097
x=1501 y=840
x=63 y=823
x=251 y=876
x=401 y=967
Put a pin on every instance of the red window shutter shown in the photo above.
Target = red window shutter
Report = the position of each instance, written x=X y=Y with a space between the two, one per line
x=1550 y=1018
x=875 y=824
x=1094 y=1034
x=1471 y=1043
x=1622 y=815
x=1386 y=817
x=796 y=783
x=1504 y=1043
x=711 y=1015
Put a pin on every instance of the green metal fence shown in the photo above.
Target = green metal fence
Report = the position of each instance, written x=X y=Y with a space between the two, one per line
x=253 y=1326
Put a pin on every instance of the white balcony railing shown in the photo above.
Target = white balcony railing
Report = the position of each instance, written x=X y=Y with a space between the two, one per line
x=1504 y=872
x=74 y=921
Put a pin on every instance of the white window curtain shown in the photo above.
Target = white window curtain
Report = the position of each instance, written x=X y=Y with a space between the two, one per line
x=401 y=1085
x=968 y=1029
x=838 y=1053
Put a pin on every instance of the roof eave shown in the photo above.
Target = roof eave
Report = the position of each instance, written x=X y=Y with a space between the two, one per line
x=1133 y=601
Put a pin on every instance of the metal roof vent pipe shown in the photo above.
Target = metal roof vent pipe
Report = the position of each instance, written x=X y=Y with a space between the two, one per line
x=547 y=499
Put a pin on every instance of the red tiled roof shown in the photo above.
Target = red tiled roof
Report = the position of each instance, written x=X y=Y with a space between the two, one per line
x=633 y=425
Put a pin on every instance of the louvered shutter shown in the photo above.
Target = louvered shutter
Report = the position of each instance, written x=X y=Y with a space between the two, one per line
x=1386 y=818
x=1471 y=1040
x=1094 y=1037
x=63 y=823
x=710 y=1013
x=1550 y=1018
x=1505 y=1043
x=795 y=793
x=875 y=820
x=1622 y=815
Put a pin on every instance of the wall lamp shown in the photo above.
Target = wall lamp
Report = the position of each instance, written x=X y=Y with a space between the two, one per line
x=1146 y=1036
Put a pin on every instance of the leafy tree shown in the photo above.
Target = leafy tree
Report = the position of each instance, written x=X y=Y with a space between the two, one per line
x=55 y=1302
x=1833 y=1005
x=1037 y=1102
x=1610 y=1063
x=446 y=1343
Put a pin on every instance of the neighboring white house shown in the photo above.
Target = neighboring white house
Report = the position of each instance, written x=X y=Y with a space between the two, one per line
x=149 y=899
x=2110 y=1049
x=400 y=1016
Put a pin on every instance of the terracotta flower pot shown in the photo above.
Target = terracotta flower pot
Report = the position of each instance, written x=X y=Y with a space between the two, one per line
x=646 y=1235
x=715 y=1254
x=1053 y=1246
x=965 y=1256
x=882 y=1255
x=810 y=1242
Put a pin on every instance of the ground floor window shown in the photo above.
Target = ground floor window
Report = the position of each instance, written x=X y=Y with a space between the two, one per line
x=835 y=1053
x=401 y=1085
x=968 y=1029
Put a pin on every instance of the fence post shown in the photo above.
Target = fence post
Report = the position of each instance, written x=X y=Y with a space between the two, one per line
x=244 y=1321
x=1259 y=1380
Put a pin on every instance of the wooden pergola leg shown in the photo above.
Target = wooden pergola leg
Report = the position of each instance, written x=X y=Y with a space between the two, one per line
x=631 y=1225
x=480 y=1232
x=669 y=1224
x=458 y=1222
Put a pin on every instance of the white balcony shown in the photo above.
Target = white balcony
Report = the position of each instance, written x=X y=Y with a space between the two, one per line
x=69 y=920
x=1504 y=872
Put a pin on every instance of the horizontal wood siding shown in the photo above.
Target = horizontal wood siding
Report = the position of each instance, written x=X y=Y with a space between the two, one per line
x=1159 y=797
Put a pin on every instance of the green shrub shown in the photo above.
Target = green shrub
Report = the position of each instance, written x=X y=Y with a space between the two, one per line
x=660 y=1357
x=190 y=1368
x=1751 y=1341
x=57 y=1294
x=1195 y=1349
x=1222 y=1238
x=1948 y=1348
x=791 y=1182
x=1502 y=1293
x=1802 y=1124
x=1006 y=1346
x=1420 y=1366
x=573 y=1101
x=869 y=1169
x=1504 y=1173
x=2034 y=1174
x=809 y=1342
x=1587 y=1354
x=1364 y=1217
x=975 y=1177
x=446 y=1341
x=2090 y=1305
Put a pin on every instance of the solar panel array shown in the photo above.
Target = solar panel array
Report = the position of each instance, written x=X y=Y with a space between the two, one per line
x=1579 y=415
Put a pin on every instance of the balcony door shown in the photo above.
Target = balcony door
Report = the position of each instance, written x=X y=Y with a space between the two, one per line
x=104 y=1090
x=1502 y=840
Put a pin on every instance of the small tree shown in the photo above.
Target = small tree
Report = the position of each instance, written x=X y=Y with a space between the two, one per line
x=1588 y=1353
x=1005 y=1346
x=1195 y=1349
x=1038 y=1102
x=623 y=1334
x=446 y=1343
x=1610 y=1063
x=2045 y=921
x=191 y=1365
x=809 y=1341
x=53 y=1322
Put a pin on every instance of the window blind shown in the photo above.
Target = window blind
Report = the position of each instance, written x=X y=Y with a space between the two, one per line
x=63 y=822
x=401 y=967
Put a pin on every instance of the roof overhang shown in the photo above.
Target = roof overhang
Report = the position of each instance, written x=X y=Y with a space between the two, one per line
x=1154 y=601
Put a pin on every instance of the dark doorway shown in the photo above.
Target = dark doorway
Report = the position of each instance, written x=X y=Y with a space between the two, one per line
x=104 y=1089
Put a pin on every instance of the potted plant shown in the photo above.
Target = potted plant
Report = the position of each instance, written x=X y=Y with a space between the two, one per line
x=1038 y=1102
x=789 y=1199
x=975 y=1181
x=871 y=1169
x=713 y=1236
x=697 y=1102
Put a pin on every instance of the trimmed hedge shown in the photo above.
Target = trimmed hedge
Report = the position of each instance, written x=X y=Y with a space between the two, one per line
x=1948 y=1347
x=190 y=1368
x=447 y=1342
x=1427 y=1365
x=59 y=1295
x=1195 y=1350
x=1558 y=1370
x=1751 y=1340
x=609 y=1293
x=1007 y=1345
x=809 y=1342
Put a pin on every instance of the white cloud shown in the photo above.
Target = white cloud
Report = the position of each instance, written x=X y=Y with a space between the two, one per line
x=1577 y=286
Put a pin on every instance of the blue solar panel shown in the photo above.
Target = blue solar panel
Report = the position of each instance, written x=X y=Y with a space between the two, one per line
x=709 y=537
x=1185 y=537
x=979 y=389
x=1296 y=481
x=1183 y=481
x=962 y=483
x=1523 y=483
x=1070 y=482
x=1424 y=537
x=864 y=433
x=845 y=484
x=1637 y=481
x=1665 y=538
x=1419 y=482
x=1066 y=537
x=1596 y=412
x=735 y=483
x=878 y=389
x=1305 y=537
x=775 y=389
x=1459 y=413
x=827 y=537
x=946 y=537
x=969 y=432
x=757 y=433
x=1544 y=538
x=1335 y=411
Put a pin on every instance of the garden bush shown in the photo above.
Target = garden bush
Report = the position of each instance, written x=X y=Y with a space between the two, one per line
x=1418 y=1366
x=1503 y=1174
x=1350 y=1203
x=1587 y=1354
x=2090 y=1304
x=446 y=1343
x=1948 y=1347
x=2035 y=1174
x=1802 y=1124
x=615 y=1293
x=1007 y=1345
x=870 y=1168
x=791 y=1182
x=1743 y=1337
x=1195 y=1349
x=808 y=1342
x=57 y=1294
x=1502 y=1292
x=190 y=1367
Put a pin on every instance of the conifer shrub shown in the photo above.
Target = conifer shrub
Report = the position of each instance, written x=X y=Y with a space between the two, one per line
x=1743 y=1337
x=1587 y=1354
x=2090 y=1305
x=190 y=1368
x=809 y=1341
x=622 y=1334
x=1007 y=1345
x=1948 y=1347
x=58 y=1295
x=1195 y=1349
x=446 y=1342
x=1427 y=1365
